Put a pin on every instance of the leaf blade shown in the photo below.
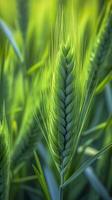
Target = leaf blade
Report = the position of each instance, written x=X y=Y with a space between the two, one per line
x=86 y=164
x=6 y=30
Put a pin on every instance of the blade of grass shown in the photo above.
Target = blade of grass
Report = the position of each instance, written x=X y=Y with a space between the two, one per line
x=108 y=94
x=41 y=177
x=6 y=30
x=51 y=182
x=101 y=86
x=96 y=184
x=25 y=179
x=86 y=164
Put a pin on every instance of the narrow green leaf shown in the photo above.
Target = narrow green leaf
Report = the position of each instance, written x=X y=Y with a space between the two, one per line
x=96 y=184
x=41 y=177
x=25 y=179
x=35 y=67
x=4 y=27
x=108 y=93
x=86 y=164
x=95 y=128
x=99 y=127
x=52 y=184
x=101 y=86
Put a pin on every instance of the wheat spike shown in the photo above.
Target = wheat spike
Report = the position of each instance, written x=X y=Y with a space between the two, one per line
x=25 y=146
x=62 y=110
x=103 y=46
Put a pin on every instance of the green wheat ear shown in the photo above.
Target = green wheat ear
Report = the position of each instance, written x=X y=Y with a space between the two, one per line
x=4 y=162
x=24 y=147
x=62 y=110
x=100 y=66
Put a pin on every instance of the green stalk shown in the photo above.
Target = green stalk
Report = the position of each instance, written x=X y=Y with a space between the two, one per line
x=61 y=188
x=4 y=164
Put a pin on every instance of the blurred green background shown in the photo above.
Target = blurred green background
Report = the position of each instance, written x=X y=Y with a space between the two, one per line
x=30 y=34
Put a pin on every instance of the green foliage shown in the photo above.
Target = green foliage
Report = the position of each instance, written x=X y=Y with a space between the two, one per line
x=56 y=82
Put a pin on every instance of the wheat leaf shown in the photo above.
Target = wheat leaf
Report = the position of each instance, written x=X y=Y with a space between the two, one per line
x=23 y=15
x=4 y=27
x=96 y=184
x=103 y=83
x=41 y=177
x=86 y=164
x=24 y=179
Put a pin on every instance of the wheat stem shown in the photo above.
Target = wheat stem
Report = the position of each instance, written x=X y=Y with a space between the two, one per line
x=4 y=164
x=61 y=188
